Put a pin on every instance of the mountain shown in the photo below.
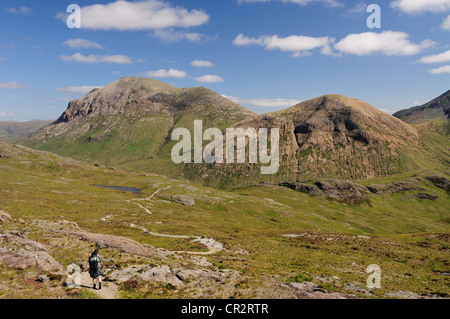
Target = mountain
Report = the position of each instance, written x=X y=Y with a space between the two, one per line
x=128 y=124
x=434 y=115
x=334 y=136
x=12 y=131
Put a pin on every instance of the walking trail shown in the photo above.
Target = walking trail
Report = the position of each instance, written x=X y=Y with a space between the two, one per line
x=109 y=289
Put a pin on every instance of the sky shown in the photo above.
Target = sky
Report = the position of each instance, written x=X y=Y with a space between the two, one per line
x=263 y=54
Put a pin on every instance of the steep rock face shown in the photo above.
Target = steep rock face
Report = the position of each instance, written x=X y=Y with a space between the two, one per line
x=435 y=115
x=331 y=136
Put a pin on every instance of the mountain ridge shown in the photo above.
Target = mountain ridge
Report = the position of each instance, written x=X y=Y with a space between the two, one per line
x=128 y=124
x=434 y=115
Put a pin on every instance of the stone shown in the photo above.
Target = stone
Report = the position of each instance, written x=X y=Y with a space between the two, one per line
x=42 y=278
x=4 y=216
x=161 y=274
x=403 y=295
x=183 y=200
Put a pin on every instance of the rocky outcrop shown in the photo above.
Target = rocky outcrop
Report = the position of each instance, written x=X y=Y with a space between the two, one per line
x=183 y=200
x=123 y=244
x=351 y=191
x=334 y=189
x=179 y=277
x=403 y=295
x=161 y=274
x=4 y=216
x=440 y=182
x=395 y=187
x=22 y=253
x=310 y=290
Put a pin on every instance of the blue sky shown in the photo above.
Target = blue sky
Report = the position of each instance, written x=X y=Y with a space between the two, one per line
x=263 y=54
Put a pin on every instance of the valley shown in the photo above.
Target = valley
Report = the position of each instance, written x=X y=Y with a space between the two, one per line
x=355 y=187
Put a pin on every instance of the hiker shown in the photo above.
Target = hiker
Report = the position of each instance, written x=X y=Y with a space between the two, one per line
x=95 y=262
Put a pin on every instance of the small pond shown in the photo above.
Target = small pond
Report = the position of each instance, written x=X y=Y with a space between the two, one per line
x=123 y=188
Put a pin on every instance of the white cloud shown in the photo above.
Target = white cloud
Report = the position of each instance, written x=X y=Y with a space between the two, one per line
x=171 y=73
x=331 y=3
x=298 y=44
x=3 y=114
x=358 y=9
x=438 y=58
x=139 y=15
x=420 y=6
x=175 y=36
x=264 y=102
x=209 y=79
x=202 y=64
x=82 y=43
x=22 y=10
x=8 y=46
x=387 y=43
x=140 y=61
x=78 y=57
x=446 y=24
x=2 y=58
x=78 y=89
x=12 y=85
x=441 y=70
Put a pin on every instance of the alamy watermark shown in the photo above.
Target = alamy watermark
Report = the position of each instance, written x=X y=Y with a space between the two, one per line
x=74 y=277
x=374 y=20
x=234 y=143
x=374 y=280
x=74 y=19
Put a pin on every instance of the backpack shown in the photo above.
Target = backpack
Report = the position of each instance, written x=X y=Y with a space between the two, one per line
x=94 y=263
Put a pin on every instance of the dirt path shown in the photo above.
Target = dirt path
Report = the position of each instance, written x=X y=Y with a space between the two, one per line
x=109 y=290
x=212 y=245
x=148 y=200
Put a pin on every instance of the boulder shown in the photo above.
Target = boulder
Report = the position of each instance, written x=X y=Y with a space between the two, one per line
x=123 y=244
x=23 y=253
x=310 y=290
x=403 y=295
x=161 y=274
x=183 y=200
x=4 y=216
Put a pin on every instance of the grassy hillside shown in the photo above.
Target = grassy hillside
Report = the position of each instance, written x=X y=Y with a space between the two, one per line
x=13 y=131
x=272 y=235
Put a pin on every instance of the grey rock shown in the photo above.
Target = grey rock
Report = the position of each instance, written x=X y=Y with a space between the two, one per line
x=183 y=200
x=403 y=295
x=147 y=273
x=310 y=290
x=42 y=278
x=4 y=216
